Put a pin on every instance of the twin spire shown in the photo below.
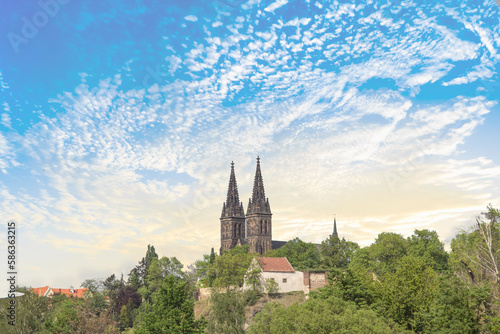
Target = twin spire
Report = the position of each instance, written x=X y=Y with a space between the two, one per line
x=257 y=204
x=232 y=207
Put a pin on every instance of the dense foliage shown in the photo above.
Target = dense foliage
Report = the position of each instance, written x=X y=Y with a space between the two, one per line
x=395 y=285
x=300 y=254
x=330 y=315
x=415 y=283
x=172 y=310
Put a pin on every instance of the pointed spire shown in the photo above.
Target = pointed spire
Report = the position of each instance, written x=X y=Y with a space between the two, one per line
x=232 y=207
x=258 y=203
x=335 y=226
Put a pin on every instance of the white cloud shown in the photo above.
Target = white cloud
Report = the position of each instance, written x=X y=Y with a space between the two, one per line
x=275 y=5
x=191 y=18
x=6 y=119
x=118 y=169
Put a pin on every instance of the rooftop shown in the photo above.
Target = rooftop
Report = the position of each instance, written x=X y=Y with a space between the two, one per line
x=277 y=264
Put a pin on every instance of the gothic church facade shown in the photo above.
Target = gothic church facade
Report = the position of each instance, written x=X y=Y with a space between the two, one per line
x=253 y=228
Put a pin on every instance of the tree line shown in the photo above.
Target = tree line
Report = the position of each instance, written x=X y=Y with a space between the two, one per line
x=395 y=285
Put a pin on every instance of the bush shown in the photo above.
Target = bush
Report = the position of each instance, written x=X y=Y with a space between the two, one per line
x=272 y=288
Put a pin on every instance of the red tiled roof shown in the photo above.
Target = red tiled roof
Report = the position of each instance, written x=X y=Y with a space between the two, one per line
x=79 y=293
x=279 y=264
x=40 y=291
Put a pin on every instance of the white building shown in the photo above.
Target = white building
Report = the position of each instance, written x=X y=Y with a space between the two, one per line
x=281 y=271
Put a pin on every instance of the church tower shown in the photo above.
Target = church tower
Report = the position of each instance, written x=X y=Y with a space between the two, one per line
x=232 y=220
x=335 y=234
x=258 y=222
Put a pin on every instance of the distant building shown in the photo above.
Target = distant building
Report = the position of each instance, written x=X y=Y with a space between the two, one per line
x=281 y=271
x=254 y=228
x=45 y=291
x=49 y=292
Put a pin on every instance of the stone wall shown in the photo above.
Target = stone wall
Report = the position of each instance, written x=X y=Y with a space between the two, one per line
x=315 y=280
x=318 y=280
x=202 y=293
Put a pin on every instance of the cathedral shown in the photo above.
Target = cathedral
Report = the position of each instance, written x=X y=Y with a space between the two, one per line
x=253 y=229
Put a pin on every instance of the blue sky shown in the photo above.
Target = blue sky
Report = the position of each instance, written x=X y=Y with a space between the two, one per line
x=119 y=121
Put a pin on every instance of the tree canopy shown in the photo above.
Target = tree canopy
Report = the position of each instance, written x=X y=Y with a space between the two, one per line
x=336 y=252
x=172 y=311
x=301 y=255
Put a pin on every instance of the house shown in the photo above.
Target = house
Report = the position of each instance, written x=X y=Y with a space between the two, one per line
x=45 y=291
x=279 y=270
x=49 y=292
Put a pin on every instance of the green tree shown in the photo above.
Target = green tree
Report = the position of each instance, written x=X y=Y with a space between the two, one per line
x=409 y=292
x=111 y=284
x=157 y=271
x=458 y=308
x=230 y=268
x=272 y=287
x=134 y=278
x=337 y=253
x=89 y=322
x=253 y=276
x=30 y=315
x=171 y=312
x=65 y=317
x=227 y=312
x=386 y=251
x=331 y=315
x=93 y=284
x=350 y=285
x=426 y=244
x=126 y=295
x=97 y=303
x=300 y=254
x=150 y=256
x=476 y=253
x=125 y=318
x=202 y=268
x=74 y=316
x=475 y=259
x=382 y=256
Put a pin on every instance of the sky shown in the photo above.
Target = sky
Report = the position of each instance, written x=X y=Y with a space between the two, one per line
x=120 y=120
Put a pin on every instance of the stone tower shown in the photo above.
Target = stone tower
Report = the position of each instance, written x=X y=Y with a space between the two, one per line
x=232 y=220
x=259 y=227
